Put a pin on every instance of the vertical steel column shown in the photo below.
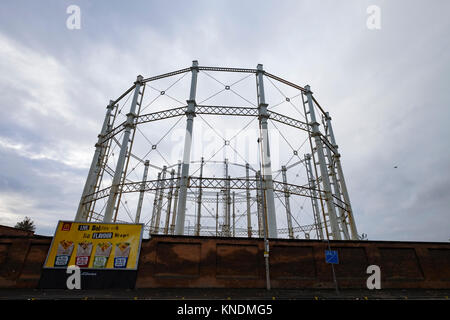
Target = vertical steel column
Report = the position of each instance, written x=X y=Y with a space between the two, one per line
x=155 y=204
x=175 y=200
x=234 y=217
x=337 y=157
x=227 y=202
x=82 y=212
x=123 y=151
x=227 y=198
x=229 y=206
x=287 y=204
x=103 y=161
x=217 y=214
x=266 y=243
x=266 y=174
x=315 y=205
x=249 y=218
x=259 y=203
x=323 y=167
x=169 y=201
x=161 y=198
x=199 y=201
x=128 y=155
x=223 y=230
x=336 y=189
x=190 y=114
x=142 y=191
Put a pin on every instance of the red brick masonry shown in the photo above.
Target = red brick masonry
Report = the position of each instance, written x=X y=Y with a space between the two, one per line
x=208 y=262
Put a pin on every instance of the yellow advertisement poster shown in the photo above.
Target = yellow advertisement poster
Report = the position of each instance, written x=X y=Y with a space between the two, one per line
x=95 y=245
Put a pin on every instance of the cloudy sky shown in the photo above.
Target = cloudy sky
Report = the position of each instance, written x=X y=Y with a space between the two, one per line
x=387 y=90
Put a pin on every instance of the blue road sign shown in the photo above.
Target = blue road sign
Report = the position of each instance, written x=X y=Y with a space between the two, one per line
x=331 y=256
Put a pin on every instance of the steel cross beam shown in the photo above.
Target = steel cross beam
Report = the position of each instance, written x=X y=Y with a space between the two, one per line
x=224 y=69
x=165 y=75
x=103 y=193
x=160 y=115
x=227 y=110
x=243 y=231
x=219 y=69
x=214 y=199
x=328 y=144
x=306 y=228
x=250 y=111
x=288 y=121
x=208 y=183
x=288 y=83
x=113 y=132
x=210 y=110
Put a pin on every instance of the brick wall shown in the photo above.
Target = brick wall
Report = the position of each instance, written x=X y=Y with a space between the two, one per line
x=21 y=260
x=239 y=263
x=201 y=262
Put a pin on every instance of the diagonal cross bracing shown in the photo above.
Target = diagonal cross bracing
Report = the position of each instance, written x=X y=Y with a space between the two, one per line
x=160 y=115
x=208 y=110
x=208 y=183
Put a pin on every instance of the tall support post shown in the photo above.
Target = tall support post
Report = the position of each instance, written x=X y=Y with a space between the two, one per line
x=199 y=201
x=128 y=155
x=267 y=182
x=82 y=212
x=323 y=167
x=169 y=202
x=123 y=151
x=287 y=204
x=223 y=195
x=226 y=202
x=336 y=189
x=190 y=114
x=249 y=217
x=259 y=203
x=340 y=172
x=217 y=214
x=175 y=200
x=105 y=153
x=234 y=216
x=160 y=200
x=141 y=192
x=155 y=204
x=266 y=244
x=229 y=206
x=315 y=205
x=229 y=203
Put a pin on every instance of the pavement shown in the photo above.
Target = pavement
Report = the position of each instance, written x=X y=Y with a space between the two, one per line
x=223 y=294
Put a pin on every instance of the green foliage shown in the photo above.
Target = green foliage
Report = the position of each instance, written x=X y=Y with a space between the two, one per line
x=26 y=224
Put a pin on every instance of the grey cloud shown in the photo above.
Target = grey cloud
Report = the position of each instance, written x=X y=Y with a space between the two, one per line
x=386 y=91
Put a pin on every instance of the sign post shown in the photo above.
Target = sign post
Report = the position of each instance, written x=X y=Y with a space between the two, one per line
x=331 y=257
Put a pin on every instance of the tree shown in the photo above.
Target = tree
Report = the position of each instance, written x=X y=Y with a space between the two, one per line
x=26 y=224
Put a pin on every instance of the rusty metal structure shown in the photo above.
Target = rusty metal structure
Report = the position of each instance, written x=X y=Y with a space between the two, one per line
x=301 y=195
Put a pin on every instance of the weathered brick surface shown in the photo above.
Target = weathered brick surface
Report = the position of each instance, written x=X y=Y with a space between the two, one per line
x=208 y=262
x=21 y=260
x=194 y=262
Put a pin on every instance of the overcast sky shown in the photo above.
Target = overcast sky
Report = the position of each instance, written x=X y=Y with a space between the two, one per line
x=387 y=91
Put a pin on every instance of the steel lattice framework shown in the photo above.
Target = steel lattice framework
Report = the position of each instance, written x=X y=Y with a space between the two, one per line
x=173 y=189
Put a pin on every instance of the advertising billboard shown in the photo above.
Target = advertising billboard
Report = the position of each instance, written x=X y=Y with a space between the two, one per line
x=93 y=245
